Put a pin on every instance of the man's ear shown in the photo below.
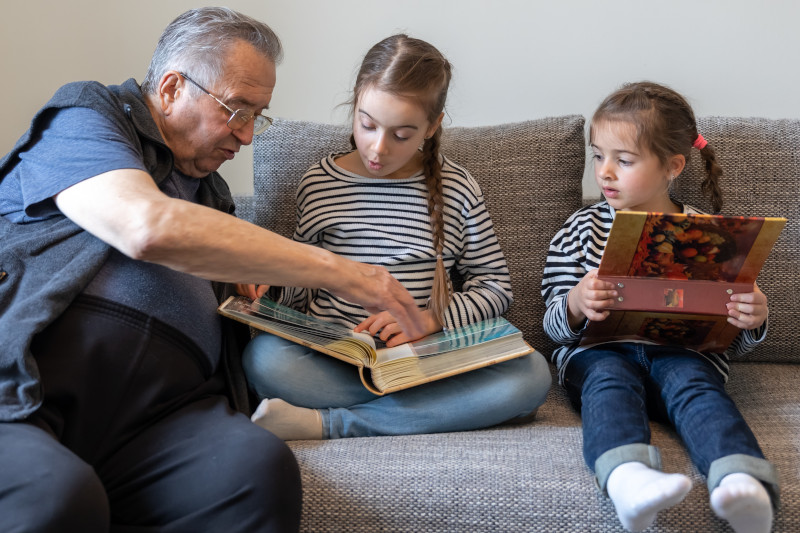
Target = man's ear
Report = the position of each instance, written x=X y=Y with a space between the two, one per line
x=170 y=88
x=676 y=164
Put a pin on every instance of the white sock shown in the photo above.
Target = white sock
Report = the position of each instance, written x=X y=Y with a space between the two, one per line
x=288 y=422
x=744 y=503
x=640 y=492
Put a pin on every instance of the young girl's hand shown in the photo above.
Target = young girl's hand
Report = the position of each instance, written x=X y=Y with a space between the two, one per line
x=748 y=310
x=390 y=331
x=251 y=290
x=589 y=299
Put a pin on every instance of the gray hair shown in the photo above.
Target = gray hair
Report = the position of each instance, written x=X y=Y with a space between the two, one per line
x=197 y=42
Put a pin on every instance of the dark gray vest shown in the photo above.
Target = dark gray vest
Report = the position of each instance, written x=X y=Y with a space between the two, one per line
x=45 y=265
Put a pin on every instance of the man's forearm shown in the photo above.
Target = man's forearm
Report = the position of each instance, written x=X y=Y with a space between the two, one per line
x=125 y=209
x=220 y=247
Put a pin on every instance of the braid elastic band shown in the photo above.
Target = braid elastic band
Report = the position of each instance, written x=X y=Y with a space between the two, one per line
x=700 y=142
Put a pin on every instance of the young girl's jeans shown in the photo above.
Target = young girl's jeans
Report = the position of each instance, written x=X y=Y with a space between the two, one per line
x=277 y=368
x=616 y=385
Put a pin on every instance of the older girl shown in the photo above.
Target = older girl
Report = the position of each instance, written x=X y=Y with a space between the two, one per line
x=397 y=202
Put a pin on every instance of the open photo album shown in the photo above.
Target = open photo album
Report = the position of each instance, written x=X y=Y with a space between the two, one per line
x=383 y=370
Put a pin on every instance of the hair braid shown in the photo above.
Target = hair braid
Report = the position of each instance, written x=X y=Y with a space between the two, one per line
x=432 y=167
x=710 y=185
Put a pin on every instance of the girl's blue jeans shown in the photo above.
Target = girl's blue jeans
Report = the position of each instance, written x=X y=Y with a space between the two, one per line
x=617 y=385
x=277 y=368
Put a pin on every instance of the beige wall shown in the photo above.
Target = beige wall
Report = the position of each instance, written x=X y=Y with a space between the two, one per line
x=514 y=59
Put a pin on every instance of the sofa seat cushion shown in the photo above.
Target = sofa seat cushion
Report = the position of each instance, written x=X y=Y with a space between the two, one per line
x=530 y=477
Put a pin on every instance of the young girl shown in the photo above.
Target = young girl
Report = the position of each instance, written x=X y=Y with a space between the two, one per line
x=642 y=135
x=395 y=201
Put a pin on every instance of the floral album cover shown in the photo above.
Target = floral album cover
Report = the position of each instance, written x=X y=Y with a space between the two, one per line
x=675 y=272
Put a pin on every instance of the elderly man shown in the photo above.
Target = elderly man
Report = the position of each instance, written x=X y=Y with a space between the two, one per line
x=114 y=363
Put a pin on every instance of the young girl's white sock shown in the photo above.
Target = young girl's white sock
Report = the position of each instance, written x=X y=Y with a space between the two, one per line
x=288 y=422
x=640 y=492
x=744 y=503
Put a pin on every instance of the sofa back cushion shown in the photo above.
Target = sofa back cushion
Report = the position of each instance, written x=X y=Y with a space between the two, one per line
x=760 y=159
x=530 y=173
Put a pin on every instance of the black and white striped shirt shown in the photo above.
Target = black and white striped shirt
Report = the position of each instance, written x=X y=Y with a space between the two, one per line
x=385 y=222
x=575 y=250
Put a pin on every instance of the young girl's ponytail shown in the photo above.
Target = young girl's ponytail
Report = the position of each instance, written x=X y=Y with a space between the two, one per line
x=710 y=185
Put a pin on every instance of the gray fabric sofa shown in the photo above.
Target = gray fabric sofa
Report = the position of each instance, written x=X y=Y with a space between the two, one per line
x=532 y=477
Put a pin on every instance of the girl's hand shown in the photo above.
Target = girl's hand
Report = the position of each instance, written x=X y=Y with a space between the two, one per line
x=748 y=310
x=251 y=290
x=390 y=331
x=376 y=290
x=589 y=299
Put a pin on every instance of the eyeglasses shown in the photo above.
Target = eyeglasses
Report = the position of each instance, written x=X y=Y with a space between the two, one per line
x=240 y=117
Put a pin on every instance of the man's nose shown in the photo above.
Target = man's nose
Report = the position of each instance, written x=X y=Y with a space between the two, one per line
x=245 y=133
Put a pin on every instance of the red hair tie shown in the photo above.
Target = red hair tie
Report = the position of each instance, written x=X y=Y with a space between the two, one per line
x=700 y=142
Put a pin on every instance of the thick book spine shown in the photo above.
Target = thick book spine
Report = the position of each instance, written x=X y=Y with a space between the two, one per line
x=674 y=295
